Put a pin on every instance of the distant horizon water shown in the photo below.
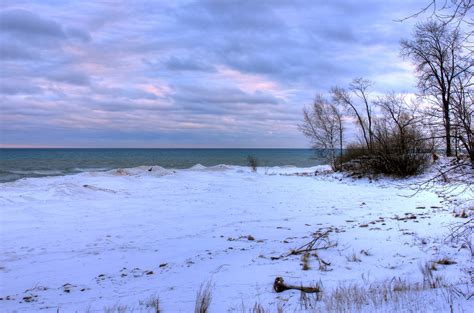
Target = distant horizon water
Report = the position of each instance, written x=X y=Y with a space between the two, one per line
x=17 y=163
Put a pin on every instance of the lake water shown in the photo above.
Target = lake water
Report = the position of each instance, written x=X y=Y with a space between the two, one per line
x=20 y=163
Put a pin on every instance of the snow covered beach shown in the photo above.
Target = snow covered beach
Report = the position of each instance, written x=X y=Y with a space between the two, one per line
x=114 y=240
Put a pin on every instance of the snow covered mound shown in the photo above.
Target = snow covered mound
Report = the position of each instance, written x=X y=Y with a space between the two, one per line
x=125 y=237
x=141 y=170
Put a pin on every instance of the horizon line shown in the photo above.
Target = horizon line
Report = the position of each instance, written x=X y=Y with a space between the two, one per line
x=56 y=147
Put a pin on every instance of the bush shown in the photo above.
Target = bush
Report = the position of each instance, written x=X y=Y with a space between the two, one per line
x=401 y=154
x=393 y=153
x=351 y=152
x=252 y=162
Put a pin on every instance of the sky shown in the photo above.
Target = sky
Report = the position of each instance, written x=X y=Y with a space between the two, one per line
x=220 y=73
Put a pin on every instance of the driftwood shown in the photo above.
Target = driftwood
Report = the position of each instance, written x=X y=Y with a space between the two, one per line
x=280 y=286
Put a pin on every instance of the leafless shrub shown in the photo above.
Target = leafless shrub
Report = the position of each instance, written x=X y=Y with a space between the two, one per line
x=252 y=162
x=455 y=176
x=393 y=145
x=322 y=124
x=461 y=233
x=203 y=298
x=352 y=152
x=393 y=157
x=356 y=100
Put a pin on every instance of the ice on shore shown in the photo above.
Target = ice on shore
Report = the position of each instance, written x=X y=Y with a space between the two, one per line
x=95 y=240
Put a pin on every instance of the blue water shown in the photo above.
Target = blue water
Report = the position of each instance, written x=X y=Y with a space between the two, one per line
x=20 y=163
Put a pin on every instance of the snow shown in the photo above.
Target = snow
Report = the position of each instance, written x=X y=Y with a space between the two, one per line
x=94 y=240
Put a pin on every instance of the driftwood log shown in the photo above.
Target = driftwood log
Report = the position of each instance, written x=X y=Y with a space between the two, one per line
x=280 y=286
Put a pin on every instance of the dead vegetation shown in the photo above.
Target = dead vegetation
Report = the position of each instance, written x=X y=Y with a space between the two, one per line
x=258 y=308
x=461 y=234
x=153 y=303
x=384 y=296
x=305 y=262
x=431 y=280
x=353 y=258
x=252 y=162
x=445 y=261
x=320 y=241
x=203 y=298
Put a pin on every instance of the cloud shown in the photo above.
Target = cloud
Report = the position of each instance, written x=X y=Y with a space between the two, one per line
x=72 y=77
x=14 y=51
x=25 y=22
x=28 y=24
x=187 y=63
x=13 y=87
x=186 y=72
x=77 y=33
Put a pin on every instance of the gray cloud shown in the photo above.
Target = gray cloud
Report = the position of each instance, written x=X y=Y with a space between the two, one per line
x=13 y=51
x=14 y=87
x=29 y=25
x=220 y=96
x=25 y=22
x=187 y=63
x=189 y=72
x=77 y=33
x=69 y=76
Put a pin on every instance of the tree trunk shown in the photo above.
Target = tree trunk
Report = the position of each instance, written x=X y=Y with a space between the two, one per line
x=447 y=128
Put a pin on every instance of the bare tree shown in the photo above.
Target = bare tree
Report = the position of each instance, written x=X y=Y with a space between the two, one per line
x=399 y=114
x=361 y=110
x=323 y=124
x=438 y=54
x=399 y=145
x=463 y=109
x=447 y=11
x=453 y=12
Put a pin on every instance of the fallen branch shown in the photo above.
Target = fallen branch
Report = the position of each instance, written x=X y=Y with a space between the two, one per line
x=319 y=242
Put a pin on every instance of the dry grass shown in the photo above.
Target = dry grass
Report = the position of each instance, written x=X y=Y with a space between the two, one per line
x=258 y=308
x=117 y=309
x=153 y=302
x=353 y=258
x=305 y=262
x=430 y=280
x=203 y=298
x=391 y=295
x=365 y=252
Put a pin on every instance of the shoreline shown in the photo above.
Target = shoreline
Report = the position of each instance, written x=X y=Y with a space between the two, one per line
x=78 y=171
